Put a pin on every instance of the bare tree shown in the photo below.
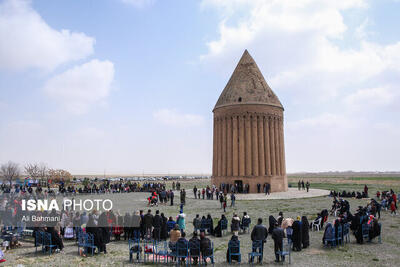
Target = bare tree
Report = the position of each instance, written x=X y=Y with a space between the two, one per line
x=58 y=175
x=10 y=171
x=43 y=170
x=32 y=169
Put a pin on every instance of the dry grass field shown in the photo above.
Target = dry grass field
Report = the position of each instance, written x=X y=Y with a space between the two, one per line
x=352 y=254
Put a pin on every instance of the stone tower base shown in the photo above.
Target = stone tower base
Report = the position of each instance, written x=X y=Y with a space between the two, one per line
x=278 y=183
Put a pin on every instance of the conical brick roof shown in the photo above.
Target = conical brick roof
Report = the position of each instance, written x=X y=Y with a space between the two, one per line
x=247 y=86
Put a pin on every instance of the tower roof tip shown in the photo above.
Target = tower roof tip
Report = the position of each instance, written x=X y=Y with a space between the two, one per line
x=247 y=86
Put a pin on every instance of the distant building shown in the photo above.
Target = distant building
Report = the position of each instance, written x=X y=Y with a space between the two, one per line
x=248 y=132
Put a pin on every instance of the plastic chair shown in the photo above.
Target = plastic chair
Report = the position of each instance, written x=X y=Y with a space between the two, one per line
x=163 y=251
x=257 y=251
x=148 y=249
x=194 y=251
x=316 y=225
x=208 y=254
x=224 y=226
x=81 y=240
x=134 y=248
x=380 y=233
x=234 y=250
x=331 y=241
x=339 y=238
x=47 y=242
x=182 y=252
x=365 y=231
x=89 y=243
x=346 y=233
x=286 y=250
x=38 y=240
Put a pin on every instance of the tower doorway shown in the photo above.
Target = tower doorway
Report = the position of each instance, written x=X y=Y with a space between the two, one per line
x=239 y=184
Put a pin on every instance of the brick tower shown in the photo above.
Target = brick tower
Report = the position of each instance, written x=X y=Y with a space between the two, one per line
x=248 y=147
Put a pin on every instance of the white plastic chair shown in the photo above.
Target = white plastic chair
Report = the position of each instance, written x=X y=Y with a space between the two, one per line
x=317 y=225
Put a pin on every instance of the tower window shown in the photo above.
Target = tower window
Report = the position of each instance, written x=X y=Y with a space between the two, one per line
x=239 y=99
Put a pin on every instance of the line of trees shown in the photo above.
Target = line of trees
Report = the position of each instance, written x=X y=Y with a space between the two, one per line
x=11 y=171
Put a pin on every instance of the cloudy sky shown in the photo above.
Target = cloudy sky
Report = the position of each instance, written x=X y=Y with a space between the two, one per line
x=128 y=86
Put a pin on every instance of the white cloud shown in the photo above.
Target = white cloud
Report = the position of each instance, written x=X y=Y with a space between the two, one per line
x=379 y=96
x=335 y=88
x=139 y=3
x=174 y=118
x=27 y=41
x=81 y=86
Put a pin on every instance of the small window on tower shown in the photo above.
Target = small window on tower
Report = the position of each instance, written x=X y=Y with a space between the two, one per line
x=240 y=99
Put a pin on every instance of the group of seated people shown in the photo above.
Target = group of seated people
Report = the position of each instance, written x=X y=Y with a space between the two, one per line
x=196 y=246
x=206 y=224
x=344 y=194
x=363 y=224
x=340 y=206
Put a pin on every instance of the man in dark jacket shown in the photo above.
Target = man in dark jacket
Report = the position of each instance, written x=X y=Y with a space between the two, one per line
x=259 y=233
x=172 y=197
x=157 y=222
x=277 y=236
x=148 y=223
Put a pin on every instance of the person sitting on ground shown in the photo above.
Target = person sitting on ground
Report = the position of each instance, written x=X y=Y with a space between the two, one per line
x=259 y=233
x=234 y=248
x=194 y=248
x=205 y=246
x=277 y=235
x=197 y=222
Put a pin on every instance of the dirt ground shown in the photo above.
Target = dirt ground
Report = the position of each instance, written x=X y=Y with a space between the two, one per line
x=352 y=254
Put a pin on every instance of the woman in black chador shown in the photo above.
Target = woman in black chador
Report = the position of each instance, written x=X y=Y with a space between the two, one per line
x=272 y=223
x=297 y=235
x=91 y=228
x=164 y=231
x=305 y=236
x=104 y=229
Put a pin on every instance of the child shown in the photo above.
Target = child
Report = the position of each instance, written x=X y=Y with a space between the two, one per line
x=393 y=208
x=69 y=231
x=2 y=256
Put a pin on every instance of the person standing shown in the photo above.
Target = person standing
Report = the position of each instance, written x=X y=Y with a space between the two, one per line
x=308 y=186
x=259 y=233
x=299 y=185
x=277 y=235
x=195 y=192
x=302 y=185
x=157 y=223
x=148 y=224
x=233 y=198
x=172 y=197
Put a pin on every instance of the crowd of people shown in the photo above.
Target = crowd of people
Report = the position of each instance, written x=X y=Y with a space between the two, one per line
x=140 y=225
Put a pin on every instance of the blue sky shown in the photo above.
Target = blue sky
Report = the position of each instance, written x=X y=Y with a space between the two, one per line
x=128 y=86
